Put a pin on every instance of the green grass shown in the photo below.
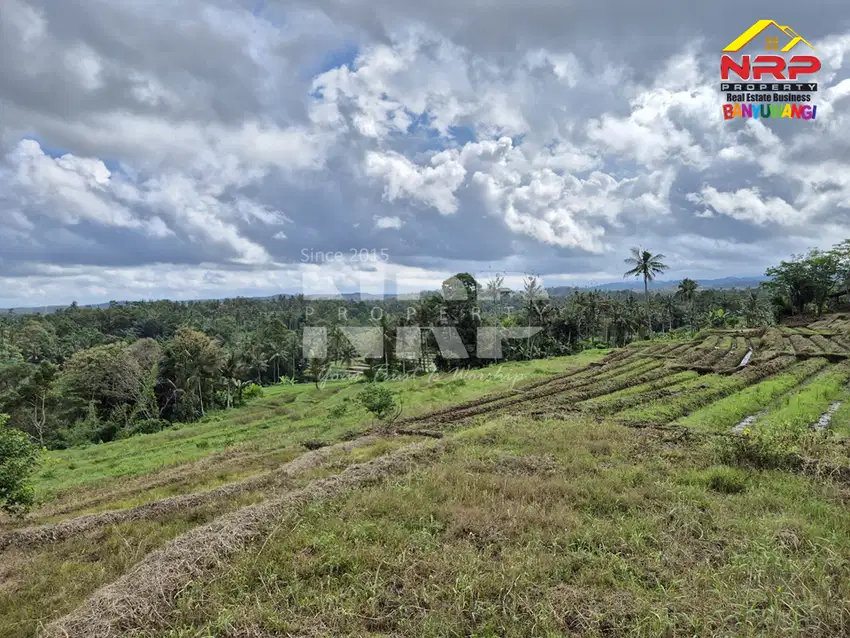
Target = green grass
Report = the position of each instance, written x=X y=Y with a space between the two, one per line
x=731 y=410
x=284 y=416
x=547 y=529
x=840 y=423
x=706 y=390
x=804 y=407
x=523 y=527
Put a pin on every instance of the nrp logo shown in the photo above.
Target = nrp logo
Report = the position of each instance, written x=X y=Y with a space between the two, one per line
x=777 y=84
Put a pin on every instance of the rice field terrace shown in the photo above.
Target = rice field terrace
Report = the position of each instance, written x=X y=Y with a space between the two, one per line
x=669 y=488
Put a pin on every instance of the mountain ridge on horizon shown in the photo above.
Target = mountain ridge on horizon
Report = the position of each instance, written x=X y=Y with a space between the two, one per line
x=627 y=285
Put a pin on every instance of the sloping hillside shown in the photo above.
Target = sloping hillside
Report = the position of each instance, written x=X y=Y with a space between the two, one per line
x=662 y=488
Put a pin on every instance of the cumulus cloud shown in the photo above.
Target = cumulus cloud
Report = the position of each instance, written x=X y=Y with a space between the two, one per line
x=746 y=204
x=144 y=144
x=383 y=223
x=69 y=189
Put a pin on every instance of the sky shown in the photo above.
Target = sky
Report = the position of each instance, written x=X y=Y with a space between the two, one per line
x=210 y=148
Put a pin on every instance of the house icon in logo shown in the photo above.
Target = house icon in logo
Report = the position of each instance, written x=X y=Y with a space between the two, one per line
x=772 y=42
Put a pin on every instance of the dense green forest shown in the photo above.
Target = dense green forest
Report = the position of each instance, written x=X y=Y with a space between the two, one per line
x=86 y=375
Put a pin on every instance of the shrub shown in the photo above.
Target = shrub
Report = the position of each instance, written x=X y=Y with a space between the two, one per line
x=339 y=410
x=380 y=402
x=252 y=391
x=148 y=426
x=18 y=460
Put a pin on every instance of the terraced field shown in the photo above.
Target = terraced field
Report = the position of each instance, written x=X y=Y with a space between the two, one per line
x=142 y=556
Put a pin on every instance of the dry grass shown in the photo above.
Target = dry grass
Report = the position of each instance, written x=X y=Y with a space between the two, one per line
x=506 y=526
x=142 y=597
x=545 y=529
x=44 y=534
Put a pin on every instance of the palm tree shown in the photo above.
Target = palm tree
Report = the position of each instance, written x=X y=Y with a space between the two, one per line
x=669 y=308
x=645 y=264
x=233 y=371
x=687 y=292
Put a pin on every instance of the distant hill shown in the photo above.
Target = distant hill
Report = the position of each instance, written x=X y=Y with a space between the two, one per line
x=557 y=291
x=728 y=283
x=46 y=310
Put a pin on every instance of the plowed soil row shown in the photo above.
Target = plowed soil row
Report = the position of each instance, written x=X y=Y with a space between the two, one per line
x=679 y=349
x=442 y=418
x=842 y=343
x=734 y=356
x=667 y=386
x=578 y=373
x=802 y=345
x=569 y=399
x=680 y=405
x=822 y=344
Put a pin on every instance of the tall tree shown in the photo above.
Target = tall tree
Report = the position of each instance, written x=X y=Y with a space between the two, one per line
x=461 y=313
x=687 y=292
x=493 y=289
x=803 y=279
x=192 y=367
x=645 y=264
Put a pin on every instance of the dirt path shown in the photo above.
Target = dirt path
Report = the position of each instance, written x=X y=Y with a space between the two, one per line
x=143 y=597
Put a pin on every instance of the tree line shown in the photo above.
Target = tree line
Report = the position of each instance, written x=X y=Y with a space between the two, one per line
x=85 y=375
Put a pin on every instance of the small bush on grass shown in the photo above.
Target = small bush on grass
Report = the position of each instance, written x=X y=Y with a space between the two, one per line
x=338 y=411
x=252 y=391
x=148 y=426
x=380 y=402
x=727 y=481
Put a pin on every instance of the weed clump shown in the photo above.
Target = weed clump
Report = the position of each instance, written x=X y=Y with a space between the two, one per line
x=780 y=448
x=727 y=481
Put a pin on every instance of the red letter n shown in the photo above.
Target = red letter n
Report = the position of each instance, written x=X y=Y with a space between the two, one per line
x=741 y=70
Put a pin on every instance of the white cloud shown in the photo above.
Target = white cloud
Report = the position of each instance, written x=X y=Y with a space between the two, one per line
x=70 y=189
x=388 y=222
x=747 y=204
x=433 y=185
x=223 y=138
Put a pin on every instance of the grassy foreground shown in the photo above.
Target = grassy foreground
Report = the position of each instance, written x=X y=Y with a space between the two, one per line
x=607 y=502
x=529 y=528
